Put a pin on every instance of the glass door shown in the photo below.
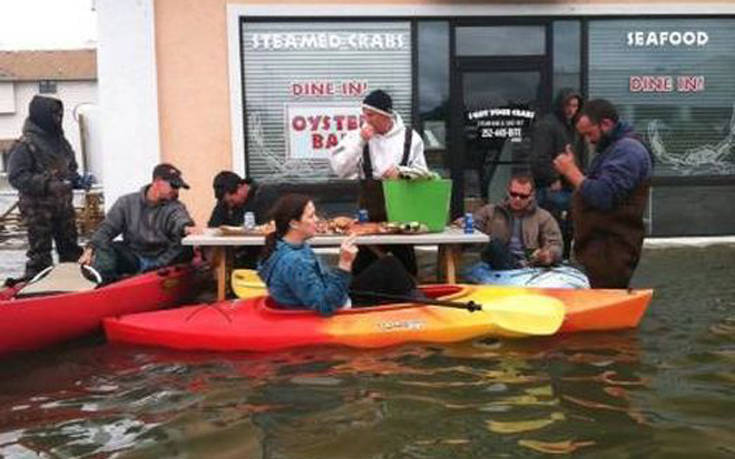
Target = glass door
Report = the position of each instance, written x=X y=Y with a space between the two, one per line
x=499 y=85
x=498 y=110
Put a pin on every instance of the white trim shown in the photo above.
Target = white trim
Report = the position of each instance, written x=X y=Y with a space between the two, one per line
x=452 y=10
x=235 y=70
x=128 y=95
x=671 y=242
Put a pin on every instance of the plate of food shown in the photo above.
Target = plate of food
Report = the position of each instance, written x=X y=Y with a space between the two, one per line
x=258 y=230
x=407 y=227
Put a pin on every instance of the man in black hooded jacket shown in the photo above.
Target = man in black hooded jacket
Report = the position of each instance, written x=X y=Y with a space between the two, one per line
x=552 y=133
x=43 y=170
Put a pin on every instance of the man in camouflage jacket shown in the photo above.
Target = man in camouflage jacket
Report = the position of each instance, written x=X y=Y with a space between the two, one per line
x=43 y=170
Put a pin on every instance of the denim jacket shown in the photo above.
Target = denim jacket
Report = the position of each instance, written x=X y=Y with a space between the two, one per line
x=296 y=278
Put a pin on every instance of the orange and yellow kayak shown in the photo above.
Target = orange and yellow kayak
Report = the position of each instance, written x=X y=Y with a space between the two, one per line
x=255 y=324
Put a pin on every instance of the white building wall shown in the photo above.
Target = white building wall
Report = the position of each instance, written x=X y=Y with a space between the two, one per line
x=128 y=96
x=71 y=93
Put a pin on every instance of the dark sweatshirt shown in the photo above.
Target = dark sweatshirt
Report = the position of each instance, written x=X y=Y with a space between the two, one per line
x=150 y=230
x=42 y=155
x=551 y=134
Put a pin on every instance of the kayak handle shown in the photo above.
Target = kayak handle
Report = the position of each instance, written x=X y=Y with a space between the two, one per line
x=41 y=274
x=97 y=276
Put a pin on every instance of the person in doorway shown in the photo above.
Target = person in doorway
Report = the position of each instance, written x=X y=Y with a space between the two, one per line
x=235 y=196
x=609 y=201
x=551 y=135
x=152 y=222
x=383 y=148
x=43 y=169
x=296 y=278
x=521 y=233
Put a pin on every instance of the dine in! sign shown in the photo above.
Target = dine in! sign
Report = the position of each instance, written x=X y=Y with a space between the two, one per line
x=314 y=129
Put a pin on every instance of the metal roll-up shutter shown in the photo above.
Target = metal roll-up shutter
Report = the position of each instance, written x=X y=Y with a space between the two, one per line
x=672 y=78
x=278 y=54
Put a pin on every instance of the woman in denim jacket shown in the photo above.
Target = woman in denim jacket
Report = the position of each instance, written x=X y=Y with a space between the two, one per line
x=297 y=278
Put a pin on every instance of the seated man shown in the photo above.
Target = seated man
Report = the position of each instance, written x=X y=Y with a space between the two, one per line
x=235 y=196
x=152 y=222
x=521 y=233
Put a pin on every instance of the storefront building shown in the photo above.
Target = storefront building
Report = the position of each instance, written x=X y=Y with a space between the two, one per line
x=268 y=90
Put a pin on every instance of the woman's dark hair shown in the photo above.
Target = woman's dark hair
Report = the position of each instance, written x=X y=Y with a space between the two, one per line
x=288 y=207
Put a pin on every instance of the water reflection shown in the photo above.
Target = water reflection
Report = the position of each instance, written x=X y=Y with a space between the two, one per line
x=662 y=390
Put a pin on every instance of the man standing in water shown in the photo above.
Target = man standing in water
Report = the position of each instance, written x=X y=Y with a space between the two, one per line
x=43 y=169
x=608 y=203
x=379 y=150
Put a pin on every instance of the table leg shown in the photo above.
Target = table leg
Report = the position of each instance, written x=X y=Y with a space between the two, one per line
x=220 y=263
x=448 y=262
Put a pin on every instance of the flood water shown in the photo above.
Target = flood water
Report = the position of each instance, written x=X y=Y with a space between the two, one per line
x=666 y=389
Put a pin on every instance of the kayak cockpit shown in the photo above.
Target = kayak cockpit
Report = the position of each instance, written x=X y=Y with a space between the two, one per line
x=432 y=292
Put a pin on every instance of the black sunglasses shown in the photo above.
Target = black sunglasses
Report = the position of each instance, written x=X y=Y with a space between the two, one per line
x=518 y=195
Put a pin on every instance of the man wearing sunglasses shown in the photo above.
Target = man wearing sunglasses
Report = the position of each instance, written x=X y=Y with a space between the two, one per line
x=521 y=233
x=152 y=222
x=608 y=203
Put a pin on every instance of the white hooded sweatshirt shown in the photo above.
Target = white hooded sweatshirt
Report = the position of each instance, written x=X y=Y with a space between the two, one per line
x=386 y=150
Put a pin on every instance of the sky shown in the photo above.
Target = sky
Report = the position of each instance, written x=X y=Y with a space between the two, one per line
x=47 y=24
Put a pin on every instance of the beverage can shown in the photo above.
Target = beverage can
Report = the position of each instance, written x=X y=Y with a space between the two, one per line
x=362 y=215
x=469 y=223
x=249 y=221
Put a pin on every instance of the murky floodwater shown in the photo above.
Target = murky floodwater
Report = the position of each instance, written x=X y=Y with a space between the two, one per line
x=666 y=389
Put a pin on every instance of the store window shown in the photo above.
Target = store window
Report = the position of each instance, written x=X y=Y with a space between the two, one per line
x=673 y=78
x=433 y=89
x=303 y=86
x=511 y=40
x=567 y=55
x=47 y=87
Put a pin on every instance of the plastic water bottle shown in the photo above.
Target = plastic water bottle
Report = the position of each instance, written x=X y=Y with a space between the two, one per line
x=362 y=215
x=469 y=223
x=249 y=221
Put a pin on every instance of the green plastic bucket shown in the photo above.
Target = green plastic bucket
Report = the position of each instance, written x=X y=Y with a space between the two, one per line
x=425 y=201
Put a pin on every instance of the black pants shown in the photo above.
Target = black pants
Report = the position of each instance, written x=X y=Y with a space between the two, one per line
x=384 y=275
x=117 y=260
x=403 y=253
x=498 y=256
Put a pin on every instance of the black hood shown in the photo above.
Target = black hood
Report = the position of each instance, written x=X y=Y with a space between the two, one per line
x=561 y=99
x=41 y=112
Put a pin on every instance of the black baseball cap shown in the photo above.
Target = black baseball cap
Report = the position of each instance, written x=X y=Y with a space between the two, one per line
x=171 y=174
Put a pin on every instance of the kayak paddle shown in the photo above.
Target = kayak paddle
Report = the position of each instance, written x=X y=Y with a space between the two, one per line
x=526 y=314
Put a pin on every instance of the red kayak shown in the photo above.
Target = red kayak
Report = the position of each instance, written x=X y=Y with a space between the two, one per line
x=32 y=322
x=256 y=324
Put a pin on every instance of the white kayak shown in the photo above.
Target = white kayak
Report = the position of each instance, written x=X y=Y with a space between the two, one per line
x=563 y=276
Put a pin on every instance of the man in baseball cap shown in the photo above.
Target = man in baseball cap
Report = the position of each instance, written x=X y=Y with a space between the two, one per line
x=152 y=222
x=171 y=174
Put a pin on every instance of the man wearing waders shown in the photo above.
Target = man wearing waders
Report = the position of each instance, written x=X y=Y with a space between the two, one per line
x=383 y=148
x=43 y=170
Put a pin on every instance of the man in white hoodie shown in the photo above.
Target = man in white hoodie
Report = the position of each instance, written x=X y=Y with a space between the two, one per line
x=383 y=148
